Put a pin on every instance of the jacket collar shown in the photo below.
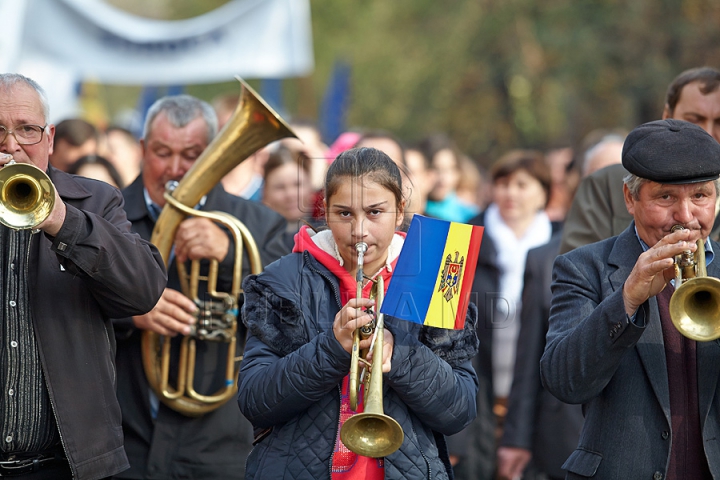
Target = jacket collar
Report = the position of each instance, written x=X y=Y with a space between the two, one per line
x=135 y=206
x=68 y=188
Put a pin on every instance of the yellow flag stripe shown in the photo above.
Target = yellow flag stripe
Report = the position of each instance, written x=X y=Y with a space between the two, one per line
x=442 y=312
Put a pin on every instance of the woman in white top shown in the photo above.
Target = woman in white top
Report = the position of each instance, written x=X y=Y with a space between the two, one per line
x=515 y=221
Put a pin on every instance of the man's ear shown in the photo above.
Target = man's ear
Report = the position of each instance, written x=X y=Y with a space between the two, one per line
x=629 y=201
x=51 y=137
x=666 y=112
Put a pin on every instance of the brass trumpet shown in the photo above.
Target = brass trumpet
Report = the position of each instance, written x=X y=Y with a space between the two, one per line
x=695 y=304
x=371 y=433
x=27 y=196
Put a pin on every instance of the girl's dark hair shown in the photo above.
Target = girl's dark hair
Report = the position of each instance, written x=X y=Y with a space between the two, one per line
x=531 y=161
x=99 y=160
x=358 y=162
x=283 y=156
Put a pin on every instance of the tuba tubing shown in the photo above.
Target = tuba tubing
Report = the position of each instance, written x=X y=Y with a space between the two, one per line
x=253 y=125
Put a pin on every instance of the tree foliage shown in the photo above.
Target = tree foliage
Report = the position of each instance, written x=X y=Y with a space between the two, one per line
x=499 y=74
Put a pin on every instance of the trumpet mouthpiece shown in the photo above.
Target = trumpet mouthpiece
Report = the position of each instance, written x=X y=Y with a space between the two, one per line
x=361 y=248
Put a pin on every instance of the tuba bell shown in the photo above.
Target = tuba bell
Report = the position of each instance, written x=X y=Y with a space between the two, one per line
x=695 y=304
x=370 y=433
x=27 y=195
x=253 y=125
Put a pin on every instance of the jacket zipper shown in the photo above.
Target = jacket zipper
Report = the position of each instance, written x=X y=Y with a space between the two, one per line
x=47 y=384
x=427 y=462
x=339 y=388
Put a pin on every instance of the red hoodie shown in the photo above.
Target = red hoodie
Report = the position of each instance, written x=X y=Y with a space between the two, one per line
x=347 y=465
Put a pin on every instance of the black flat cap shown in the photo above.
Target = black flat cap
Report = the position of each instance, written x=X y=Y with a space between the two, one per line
x=671 y=151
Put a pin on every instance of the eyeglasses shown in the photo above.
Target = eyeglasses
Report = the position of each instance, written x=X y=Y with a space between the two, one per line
x=24 y=134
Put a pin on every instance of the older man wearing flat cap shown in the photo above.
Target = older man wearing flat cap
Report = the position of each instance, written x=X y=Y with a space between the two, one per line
x=651 y=396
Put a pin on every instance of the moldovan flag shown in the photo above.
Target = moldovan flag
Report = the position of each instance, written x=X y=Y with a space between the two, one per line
x=434 y=273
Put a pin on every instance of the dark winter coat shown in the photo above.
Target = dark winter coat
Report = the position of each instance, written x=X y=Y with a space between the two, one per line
x=293 y=367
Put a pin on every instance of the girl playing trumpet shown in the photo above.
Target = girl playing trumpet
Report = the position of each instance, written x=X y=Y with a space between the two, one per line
x=302 y=312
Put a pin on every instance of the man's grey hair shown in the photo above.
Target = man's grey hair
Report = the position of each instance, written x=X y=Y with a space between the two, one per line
x=9 y=80
x=634 y=183
x=593 y=150
x=181 y=110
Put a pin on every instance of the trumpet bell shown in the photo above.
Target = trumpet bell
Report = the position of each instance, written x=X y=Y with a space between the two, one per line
x=695 y=309
x=371 y=434
x=27 y=196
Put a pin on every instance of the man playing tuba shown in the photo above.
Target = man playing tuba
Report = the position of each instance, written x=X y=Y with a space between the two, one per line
x=161 y=442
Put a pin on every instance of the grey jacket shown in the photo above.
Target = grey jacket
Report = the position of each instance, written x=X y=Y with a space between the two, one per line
x=293 y=366
x=617 y=369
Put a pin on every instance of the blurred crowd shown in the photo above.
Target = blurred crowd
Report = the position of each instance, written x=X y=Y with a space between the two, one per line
x=523 y=200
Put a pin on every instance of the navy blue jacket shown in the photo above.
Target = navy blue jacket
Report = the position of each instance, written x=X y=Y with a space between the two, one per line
x=293 y=367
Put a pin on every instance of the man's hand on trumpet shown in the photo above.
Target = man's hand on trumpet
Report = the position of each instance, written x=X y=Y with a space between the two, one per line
x=54 y=222
x=173 y=314
x=655 y=268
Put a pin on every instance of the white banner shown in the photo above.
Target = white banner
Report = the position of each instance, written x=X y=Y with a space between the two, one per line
x=250 y=38
x=61 y=42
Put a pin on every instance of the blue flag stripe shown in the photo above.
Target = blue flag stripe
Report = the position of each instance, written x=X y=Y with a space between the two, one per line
x=411 y=289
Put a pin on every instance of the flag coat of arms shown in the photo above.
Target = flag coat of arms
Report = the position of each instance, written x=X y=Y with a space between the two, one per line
x=434 y=273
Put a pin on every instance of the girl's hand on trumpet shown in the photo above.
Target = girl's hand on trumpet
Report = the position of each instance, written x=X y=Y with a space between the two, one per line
x=351 y=317
x=388 y=343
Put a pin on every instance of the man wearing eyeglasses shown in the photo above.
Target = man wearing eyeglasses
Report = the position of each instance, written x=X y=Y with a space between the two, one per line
x=61 y=281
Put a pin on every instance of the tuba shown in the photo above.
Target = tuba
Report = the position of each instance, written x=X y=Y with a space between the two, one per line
x=252 y=126
x=370 y=433
x=27 y=196
x=695 y=304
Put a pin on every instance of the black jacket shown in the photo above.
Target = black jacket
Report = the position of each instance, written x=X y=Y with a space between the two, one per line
x=215 y=445
x=293 y=367
x=477 y=443
x=536 y=420
x=94 y=269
